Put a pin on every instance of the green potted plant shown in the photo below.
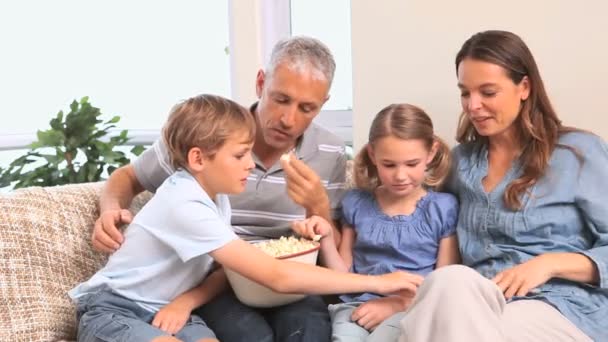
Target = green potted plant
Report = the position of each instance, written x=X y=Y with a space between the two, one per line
x=78 y=148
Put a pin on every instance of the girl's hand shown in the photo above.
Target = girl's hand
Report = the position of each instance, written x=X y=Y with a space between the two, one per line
x=371 y=313
x=519 y=280
x=172 y=317
x=312 y=226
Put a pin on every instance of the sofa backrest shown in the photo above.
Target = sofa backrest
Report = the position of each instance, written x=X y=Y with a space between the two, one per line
x=45 y=250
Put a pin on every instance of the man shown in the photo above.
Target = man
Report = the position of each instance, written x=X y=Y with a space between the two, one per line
x=291 y=92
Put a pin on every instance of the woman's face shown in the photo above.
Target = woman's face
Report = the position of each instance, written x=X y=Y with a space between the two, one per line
x=489 y=98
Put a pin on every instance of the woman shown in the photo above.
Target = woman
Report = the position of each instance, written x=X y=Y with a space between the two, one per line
x=533 y=224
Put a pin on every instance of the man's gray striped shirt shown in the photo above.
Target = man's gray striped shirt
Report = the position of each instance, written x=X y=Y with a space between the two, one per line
x=264 y=210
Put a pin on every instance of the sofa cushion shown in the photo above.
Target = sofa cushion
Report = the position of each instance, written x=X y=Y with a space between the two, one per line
x=45 y=250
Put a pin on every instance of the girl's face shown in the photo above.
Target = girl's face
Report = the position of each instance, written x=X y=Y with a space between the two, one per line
x=401 y=163
x=226 y=172
x=489 y=98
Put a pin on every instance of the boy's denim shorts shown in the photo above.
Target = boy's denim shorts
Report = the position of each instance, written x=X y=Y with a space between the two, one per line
x=106 y=316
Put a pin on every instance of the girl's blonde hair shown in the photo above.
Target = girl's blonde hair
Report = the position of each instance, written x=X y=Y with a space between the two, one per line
x=204 y=121
x=407 y=122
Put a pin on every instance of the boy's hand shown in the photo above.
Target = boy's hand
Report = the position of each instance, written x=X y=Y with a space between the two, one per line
x=172 y=317
x=399 y=282
x=312 y=227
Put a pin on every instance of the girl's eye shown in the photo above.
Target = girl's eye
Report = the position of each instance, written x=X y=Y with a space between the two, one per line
x=488 y=93
x=388 y=165
x=463 y=94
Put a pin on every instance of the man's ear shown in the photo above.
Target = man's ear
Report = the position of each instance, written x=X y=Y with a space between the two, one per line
x=196 y=159
x=259 y=83
x=370 y=153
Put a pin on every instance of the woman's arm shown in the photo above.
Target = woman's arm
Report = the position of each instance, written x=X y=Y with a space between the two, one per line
x=448 y=253
x=293 y=277
x=572 y=266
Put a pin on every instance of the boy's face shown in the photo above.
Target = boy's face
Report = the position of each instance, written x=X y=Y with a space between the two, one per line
x=227 y=171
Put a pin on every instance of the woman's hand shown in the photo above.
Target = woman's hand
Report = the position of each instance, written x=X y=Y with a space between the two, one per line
x=312 y=226
x=172 y=317
x=519 y=280
x=371 y=313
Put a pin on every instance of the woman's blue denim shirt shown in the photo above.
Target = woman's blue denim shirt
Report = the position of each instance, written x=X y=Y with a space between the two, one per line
x=565 y=211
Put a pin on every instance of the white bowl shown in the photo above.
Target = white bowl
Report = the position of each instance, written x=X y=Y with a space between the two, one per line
x=257 y=295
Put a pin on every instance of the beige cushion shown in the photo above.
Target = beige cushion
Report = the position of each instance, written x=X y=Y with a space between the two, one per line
x=45 y=250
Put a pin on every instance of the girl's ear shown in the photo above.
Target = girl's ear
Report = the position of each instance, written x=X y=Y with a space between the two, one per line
x=370 y=153
x=196 y=159
x=433 y=152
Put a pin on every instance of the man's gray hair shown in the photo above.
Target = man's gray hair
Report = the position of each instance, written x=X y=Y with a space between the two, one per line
x=300 y=53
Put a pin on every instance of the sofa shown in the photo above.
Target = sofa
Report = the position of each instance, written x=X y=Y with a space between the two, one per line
x=45 y=249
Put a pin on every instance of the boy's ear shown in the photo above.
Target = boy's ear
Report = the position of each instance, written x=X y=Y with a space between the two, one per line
x=370 y=153
x=196 y=159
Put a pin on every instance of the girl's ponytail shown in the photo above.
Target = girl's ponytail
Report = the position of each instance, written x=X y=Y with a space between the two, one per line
x=365 y=172
x=439 y=167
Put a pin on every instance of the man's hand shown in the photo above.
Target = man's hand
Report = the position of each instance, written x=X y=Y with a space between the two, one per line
x=371 y=313
x=172 y=317
x=519 y=280
x=304 y=186
x=106 y=236
x=312 y=227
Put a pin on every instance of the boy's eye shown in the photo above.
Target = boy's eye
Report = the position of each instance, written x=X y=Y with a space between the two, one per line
x=488 y=93
x=388 y=165
x=464 y=94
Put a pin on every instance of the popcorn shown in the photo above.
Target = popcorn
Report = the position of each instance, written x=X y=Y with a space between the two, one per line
x=285 y=246
x=286 y=157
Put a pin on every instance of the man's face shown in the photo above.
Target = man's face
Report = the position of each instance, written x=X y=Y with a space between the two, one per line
x=289 y=101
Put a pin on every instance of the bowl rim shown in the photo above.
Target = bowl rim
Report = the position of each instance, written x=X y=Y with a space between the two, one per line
x=306 y=251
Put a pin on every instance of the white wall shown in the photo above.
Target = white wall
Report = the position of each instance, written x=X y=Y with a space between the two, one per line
x=403 y=51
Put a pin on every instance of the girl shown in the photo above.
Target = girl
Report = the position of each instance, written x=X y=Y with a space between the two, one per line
x=393 y=221
x=170 y=246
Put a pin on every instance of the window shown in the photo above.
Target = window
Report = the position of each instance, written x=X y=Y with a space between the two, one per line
x=328 y=21
x=134 y=58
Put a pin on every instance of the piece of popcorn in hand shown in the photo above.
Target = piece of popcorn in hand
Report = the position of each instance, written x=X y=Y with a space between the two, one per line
x=286 y=157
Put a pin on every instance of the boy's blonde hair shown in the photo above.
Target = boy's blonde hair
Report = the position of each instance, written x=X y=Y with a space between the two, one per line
x=403 y=121
x=204 y=121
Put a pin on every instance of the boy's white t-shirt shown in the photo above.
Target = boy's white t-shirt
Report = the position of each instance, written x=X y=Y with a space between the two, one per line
x=165 y=250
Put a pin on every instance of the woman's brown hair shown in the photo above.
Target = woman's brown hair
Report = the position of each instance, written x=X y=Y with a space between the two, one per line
x=407 y=122
x=537 y=125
